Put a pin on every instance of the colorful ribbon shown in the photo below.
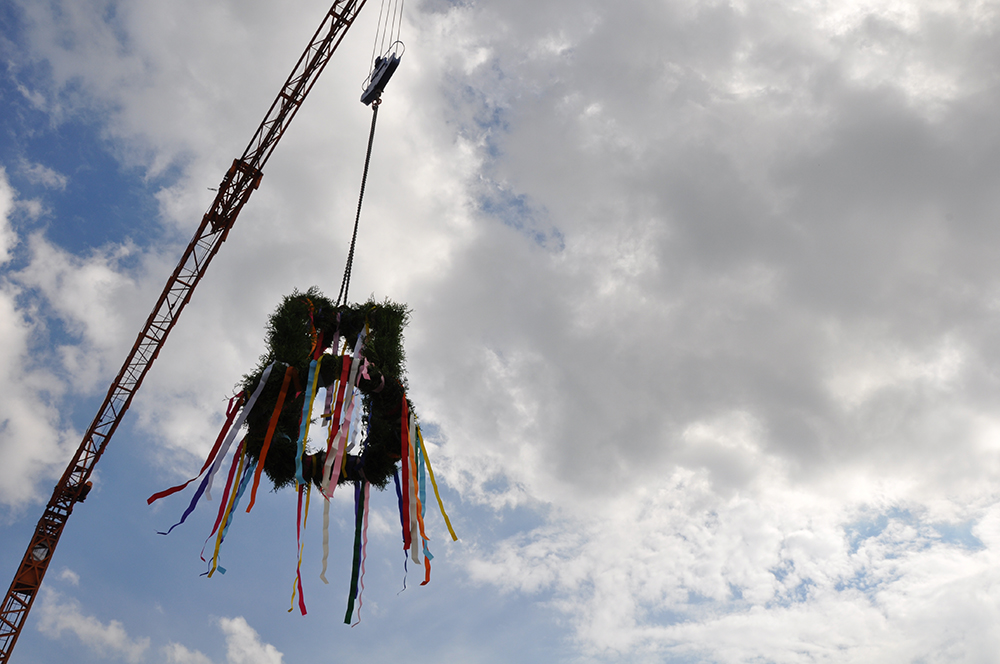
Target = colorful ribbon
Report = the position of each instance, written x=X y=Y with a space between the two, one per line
x=206 y=484
x=326 y=538
x=231 y=410
x=338 y=438
x=422 y=496
x=300 y=524
x=404 y=455
x=437 y=494
x=237 y=425
x=229 y=483
x=360 y=500
x=345 y=422
x=239 y=458
x=247 y=475
x=402 y=522
x=416 y=521
x=364 y=549
x=271 y=426
x=330 y=464
x=307 y=405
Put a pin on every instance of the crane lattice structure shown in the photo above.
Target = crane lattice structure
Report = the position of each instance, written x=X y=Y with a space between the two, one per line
x=242 y=178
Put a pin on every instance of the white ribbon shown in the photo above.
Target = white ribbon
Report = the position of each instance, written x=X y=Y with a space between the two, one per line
x=334 y=459
x=235 y=429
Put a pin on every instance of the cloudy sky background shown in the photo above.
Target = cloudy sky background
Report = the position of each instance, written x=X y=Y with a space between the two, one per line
x=706 y=321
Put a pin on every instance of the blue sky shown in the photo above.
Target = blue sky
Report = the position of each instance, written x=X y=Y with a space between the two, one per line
x=703 y=338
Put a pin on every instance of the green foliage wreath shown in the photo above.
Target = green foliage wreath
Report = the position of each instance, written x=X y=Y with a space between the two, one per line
x=305 y=319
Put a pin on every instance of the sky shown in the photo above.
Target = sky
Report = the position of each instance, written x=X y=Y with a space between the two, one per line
x=705 y=334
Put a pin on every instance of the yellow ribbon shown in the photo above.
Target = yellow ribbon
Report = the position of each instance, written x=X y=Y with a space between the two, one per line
x=225 y=516
x=312 y=400
x=430 y=471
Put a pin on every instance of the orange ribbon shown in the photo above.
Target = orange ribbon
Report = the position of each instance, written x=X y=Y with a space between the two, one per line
x=270 y=433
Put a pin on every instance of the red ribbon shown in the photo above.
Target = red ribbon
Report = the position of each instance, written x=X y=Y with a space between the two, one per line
x=405 y=455
x=231 y=411
x=298 y=543
x=224 y=501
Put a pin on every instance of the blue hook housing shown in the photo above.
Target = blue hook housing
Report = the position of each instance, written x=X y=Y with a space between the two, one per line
x=384 y=69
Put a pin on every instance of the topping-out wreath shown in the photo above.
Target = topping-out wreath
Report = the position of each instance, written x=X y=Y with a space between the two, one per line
x=306 y=331
x=353 y=355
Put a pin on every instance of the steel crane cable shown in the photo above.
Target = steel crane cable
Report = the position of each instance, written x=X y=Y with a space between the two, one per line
x=345 y=284
x=384 y=31
x=375 y=44
x=399 y=24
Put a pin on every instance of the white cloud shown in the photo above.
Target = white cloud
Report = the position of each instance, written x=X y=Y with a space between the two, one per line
x=35 y=98
x=874 y=369
x=30 y=392
x=43 y=175
x=95 y=297
x=59 y=614
x=243 y=644
x=175 y=653
x=69 y=576
x=7 y=236
x=775 y=573
x=28 y=410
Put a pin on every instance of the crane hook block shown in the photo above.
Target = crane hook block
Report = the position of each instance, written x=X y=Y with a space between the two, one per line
x=383 y=71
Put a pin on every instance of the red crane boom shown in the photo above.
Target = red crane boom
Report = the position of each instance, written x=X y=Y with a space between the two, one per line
x=234 y=191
